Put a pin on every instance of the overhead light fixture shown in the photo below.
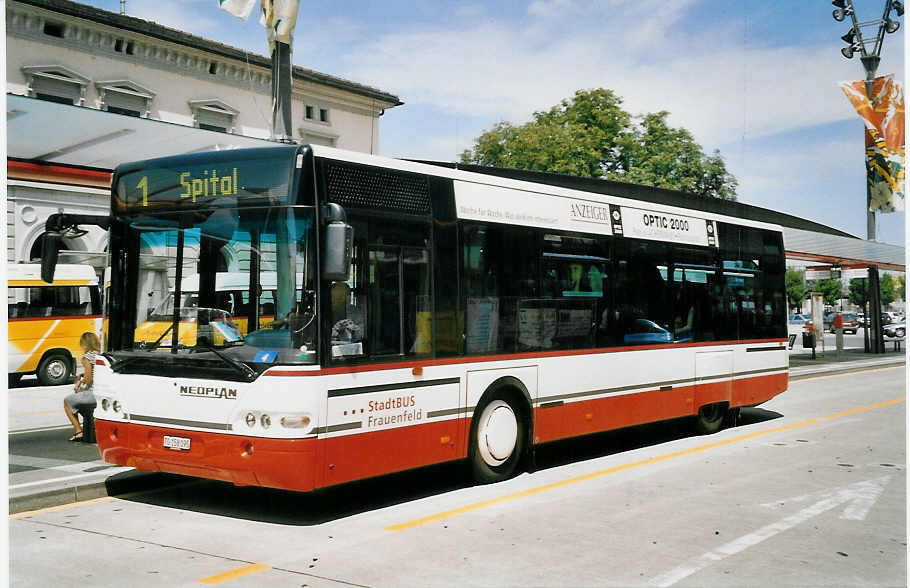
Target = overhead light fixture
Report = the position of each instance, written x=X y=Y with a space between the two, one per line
x=840 y=3
x=892 y=25
x=847 y=52
x=898 y=7
x=849 y=37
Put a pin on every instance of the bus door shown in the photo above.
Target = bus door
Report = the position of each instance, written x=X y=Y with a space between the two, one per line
x=389 y=419
x=713 y=377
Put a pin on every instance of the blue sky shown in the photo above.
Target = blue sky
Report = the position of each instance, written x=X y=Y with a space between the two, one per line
x=755 y=79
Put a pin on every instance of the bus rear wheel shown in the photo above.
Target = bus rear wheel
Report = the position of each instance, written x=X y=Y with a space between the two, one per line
x=710 y=418
x=498 y=440
x=54 y=370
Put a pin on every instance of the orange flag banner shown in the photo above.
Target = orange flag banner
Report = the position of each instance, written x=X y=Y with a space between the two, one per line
x=883 y=115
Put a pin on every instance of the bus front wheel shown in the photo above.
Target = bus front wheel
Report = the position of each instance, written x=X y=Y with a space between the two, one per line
x=710 y=418
x=54 y=370
x=498 y=439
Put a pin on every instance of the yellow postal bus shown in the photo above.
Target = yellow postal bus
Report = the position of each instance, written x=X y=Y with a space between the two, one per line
x=46 y=320
x=231 y=305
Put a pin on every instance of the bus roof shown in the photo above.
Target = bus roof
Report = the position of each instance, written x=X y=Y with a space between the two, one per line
x=530 y=183
x=66 y=274
x=592 y=189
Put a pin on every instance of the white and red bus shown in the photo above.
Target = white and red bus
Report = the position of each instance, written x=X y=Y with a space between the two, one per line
x=423 y=314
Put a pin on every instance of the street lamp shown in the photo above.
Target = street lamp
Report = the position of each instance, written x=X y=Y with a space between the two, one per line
x=869 y=49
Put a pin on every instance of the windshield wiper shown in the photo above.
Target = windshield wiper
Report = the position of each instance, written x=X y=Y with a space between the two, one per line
x=241 y=367
x=157 y=342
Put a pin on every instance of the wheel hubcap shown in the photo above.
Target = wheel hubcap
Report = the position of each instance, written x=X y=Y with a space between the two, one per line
x=56 y=369
x=497 y=433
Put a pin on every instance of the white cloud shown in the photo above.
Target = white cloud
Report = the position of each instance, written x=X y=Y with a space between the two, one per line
x=181 y=15
x=710 y=81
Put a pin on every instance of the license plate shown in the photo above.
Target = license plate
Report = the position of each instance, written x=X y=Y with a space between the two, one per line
x=181 y=443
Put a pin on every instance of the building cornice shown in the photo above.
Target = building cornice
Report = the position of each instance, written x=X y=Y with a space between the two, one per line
x=241 y=61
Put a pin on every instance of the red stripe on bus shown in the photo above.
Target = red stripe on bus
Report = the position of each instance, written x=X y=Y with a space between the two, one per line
x=405 y=364
x=55 y=318
x=362 y=454
x=637 y=408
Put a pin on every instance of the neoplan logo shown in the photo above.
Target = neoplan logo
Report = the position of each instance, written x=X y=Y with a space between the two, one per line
x=208 y=392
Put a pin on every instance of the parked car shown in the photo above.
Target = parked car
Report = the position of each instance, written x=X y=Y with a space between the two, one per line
x=828 y=321
x=796 y=324
x=851 y=322
x=895 y=330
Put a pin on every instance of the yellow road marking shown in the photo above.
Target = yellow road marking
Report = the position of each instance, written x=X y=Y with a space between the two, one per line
x=31 y=513
x=239 y=572
x=863 y=408
x=571 y=481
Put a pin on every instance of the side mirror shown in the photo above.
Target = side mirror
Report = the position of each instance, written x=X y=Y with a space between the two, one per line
x=49 y=251
x=338 y=244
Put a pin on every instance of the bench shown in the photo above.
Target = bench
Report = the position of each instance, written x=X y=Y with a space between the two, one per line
x=88 y=422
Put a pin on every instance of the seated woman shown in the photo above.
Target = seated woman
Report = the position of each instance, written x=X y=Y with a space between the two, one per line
x=82 y=396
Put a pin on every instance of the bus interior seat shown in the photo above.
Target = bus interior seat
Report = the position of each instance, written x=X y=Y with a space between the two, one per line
x=267 y=309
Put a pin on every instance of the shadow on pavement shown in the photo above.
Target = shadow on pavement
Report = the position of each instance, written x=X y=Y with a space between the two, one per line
x=302 y=509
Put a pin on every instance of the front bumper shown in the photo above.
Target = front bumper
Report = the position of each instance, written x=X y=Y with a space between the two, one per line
x=288 y=464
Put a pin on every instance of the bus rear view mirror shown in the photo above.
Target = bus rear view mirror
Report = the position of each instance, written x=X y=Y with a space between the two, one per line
x=339 y=239
x=49 y=250
x=338 y=244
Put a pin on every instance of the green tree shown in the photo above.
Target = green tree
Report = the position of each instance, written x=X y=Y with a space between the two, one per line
x=887 y=287
x=830 y=290
x=902 y=286
x=590 y=135
x=796 y=288
x=858 y=291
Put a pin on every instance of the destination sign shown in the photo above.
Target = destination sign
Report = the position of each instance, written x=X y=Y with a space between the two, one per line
x=193 y=181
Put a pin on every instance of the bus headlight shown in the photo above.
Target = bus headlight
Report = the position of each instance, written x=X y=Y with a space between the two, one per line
x=250 y=420
x=266 y=421
x=105 y=404
x=297 y=421
x=116 y=406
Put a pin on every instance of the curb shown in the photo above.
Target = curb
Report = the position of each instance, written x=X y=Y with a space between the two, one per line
x=133 y=481
x=835 y=369
x=119 y=484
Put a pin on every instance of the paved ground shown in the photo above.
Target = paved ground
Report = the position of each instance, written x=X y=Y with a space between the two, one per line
x=808 y=489
x=45 y=470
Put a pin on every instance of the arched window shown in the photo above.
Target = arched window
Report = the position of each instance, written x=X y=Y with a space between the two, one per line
x=34 y=253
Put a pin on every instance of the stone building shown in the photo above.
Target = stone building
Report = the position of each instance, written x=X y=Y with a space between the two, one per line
x=88 y=89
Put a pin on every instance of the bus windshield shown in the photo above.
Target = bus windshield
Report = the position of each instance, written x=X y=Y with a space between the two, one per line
x=244 y=281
